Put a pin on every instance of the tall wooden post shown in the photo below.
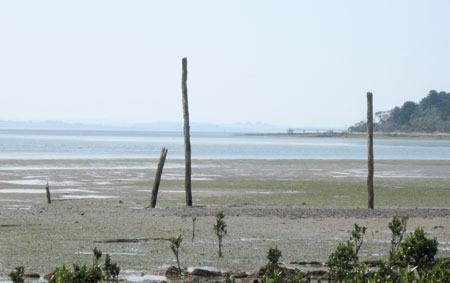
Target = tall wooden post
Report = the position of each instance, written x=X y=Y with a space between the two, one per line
x=187 y=139
x=47 y=191
x=370 y=149
x=159 y=171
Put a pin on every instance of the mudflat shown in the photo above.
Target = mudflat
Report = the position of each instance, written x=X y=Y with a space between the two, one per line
x=305 y=207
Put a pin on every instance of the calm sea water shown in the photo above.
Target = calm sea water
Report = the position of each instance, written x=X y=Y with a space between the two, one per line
x=46 y=144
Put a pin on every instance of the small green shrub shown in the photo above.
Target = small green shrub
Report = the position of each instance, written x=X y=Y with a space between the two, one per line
x=77 y=274
x=398 y=228
x=419 y=251
x=229 y=278
x=17 y=275
x=97 y=255
x=175 y=244
x=273 y=255
x=343 y=262
x=220 y=228
x=273 y=277
x=82 y=273
x=111 y=270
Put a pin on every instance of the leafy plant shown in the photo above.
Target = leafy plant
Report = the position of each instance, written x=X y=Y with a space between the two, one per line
x=77 y=274
x=17 y=275
x=398 y=228
x=343 y=262
x=111 y=270
x=273 y=256
x=419 y=251
x=220 y=228
x=229 y=278
x=82 y=273
x=175 y=244
x=273 y=277
x=97 y=255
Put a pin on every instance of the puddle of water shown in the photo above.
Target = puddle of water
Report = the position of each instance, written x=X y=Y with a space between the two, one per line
x=197 y=177
x=102 y=183
x=86 y=197
x=15 y=200
x=175 y=191
x=39 y=182
x=22 y=191
x=142 y=278
x=70 y=191
x=42 y=191
x=18 y=207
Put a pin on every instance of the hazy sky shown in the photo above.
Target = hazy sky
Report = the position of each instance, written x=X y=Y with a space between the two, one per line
x=296 y=63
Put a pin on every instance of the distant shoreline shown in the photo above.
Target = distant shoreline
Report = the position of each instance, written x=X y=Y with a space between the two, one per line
x=393 y=135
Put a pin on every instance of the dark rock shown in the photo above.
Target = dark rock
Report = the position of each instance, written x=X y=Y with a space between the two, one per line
x=240 y=275
x=31 y=275
x=318 y=273
x=172 y=271
x=205 y=273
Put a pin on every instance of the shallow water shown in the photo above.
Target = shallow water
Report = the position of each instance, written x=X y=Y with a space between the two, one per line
x=47 y=144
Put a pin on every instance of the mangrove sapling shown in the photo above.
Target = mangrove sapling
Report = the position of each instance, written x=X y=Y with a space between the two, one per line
x=273 y=256
x=175 y=244
x=398 y=228
x=97 y=255
x=220 y=228
x=343 y=263
x=17 y=275
x=111 y=270
x=419 y=251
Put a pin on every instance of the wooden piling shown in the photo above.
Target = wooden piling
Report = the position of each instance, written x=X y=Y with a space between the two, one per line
x=159 y=171
x=47 y=191
x=187 y=139
x=370 y=150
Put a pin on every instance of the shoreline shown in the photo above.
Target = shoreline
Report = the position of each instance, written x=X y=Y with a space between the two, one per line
x=393 y=135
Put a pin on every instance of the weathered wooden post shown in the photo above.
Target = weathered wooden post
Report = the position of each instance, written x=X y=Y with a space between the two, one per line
x=47 y=191
x=159 y=171
x=370 y=149
x=187 y=139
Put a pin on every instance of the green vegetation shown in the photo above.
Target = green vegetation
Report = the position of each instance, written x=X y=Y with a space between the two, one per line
x=343 y=262
x=175 y=244
x=109 y=272
x=432 y=114
x=273 y=255
x=16 y=276
x=220 y=228
x=411 y=260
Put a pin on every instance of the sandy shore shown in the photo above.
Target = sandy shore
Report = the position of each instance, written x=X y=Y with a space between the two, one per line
x=305 y=207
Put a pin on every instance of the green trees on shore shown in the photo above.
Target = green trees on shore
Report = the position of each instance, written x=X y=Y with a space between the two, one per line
x=431 y=114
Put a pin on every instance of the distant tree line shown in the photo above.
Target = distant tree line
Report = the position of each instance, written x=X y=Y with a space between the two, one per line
x=431 y=114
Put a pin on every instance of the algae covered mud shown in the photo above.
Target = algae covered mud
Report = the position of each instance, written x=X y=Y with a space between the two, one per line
x=305 y=206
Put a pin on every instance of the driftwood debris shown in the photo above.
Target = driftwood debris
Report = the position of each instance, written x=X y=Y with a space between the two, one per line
x=370 y=149
x=131 y=240
x=187 y=139
x=159 y=171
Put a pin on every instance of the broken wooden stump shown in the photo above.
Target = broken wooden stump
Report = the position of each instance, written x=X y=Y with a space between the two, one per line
x=47 y=190
x=159 y=171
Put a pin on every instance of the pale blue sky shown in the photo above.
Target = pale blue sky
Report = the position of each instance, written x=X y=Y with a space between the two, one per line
x=295 y=63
